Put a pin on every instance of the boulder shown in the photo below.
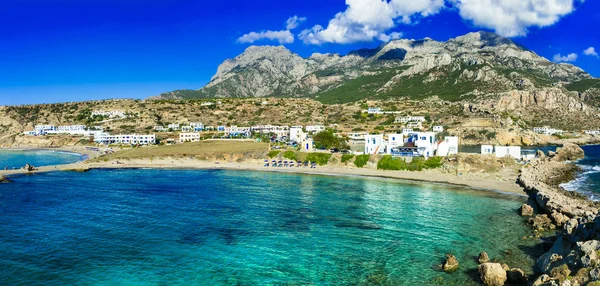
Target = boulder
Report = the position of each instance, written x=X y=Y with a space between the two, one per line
x=541 y=222
x=517 y=276
x=540 y=154
x=595 y=274
x=492 y=274
x=558 y=218
x=560 y=273
x=542 y=280
x=451 y=263
x=526 y=210
x=483 y=258
x=505 y=267
x=582 y=276
x=4 y=180
x=569 y=152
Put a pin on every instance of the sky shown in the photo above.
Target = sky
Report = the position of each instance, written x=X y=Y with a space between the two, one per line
x=73 y=50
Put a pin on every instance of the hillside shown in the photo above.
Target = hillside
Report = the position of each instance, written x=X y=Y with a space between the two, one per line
x=462 y=69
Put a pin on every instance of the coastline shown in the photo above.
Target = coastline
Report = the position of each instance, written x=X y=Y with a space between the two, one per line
x=504 y=183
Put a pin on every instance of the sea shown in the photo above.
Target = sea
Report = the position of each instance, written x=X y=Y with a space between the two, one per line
x=588 y=176
x=219 y=227
x=15 y=159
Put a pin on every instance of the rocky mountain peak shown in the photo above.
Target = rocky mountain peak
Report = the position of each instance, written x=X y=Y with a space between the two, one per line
x=483 y=38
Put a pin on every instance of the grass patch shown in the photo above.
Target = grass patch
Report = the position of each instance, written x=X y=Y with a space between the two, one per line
x=361 y=160
x=391 y=164
x=291 y=155
x=272 y=154
x=347 y=157
x=190 y=149
x=320 y=158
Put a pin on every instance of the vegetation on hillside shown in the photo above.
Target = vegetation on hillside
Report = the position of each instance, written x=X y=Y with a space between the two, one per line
x=327 y=140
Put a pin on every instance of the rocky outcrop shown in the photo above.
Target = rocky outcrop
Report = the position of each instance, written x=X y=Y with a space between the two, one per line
x=450 y=264
x=483 y=258
x=576 y=245
x=526 y=210
x=516 y=276
x=492 y=274
x=4 y=180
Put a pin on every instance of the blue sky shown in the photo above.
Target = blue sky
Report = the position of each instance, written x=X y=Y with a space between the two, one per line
x=68 y=50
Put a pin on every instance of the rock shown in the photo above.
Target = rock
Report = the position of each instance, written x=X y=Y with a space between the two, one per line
x=560 y=272
x=582 y=276
x=492 y=274
x=526 y=210
x=451 y=263
x=541 y=222
x=4 y=180
x=540 y=154
x=505 y=267
x=542 y=280
x=595 y=274
x=483 y=258
x=517 y=276
x=569 y=152
x=558 y=218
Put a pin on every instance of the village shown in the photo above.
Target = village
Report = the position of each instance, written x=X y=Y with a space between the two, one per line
x=412 y=140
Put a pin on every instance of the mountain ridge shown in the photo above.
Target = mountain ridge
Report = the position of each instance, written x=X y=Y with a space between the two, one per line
x=471 y=65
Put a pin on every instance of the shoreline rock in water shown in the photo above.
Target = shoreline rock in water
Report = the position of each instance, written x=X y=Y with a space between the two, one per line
x=4 y=180
x=576 y=248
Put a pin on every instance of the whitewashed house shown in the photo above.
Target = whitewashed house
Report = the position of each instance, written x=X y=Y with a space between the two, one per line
x=487 y=150
x=592 y=132
x=407 y=131
x=547 y=130
x=312 y=129
x=197 y=126
x=374 y=110
x=174 y=126
x=307 y=145
x=407 y=119
x=448 y=147
x=43 y=129
x=394 y=141
x=297 y=134
x=438 y=128
x=160 y=129
x=186 y=128
x=374 y=144
x=125 y=139
x=189 y=137
x=109 y=114
x=358 y=136
x=414 y=125
x=426 y=142
x=508 y=151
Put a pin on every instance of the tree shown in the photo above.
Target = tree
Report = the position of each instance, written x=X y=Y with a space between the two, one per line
x=326 y=139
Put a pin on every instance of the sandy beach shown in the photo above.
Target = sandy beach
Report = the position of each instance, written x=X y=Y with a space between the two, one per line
x=503 y=182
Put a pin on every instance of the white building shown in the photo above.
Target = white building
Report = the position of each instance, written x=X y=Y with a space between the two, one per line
x=547 y=130
x=186 y=128
x=592 y=132
x=307 y=145
x=173 y=126
x=374 y=144
x=414 y=125
x=426 y=142
x=487 y=150
x=358 y=136
x=197 y=126
x=315 y=128
x=43 y=129
x=407 y=131
x=374 y=110
x=438 y=128
x=407 y=119
x=66 y=129
x=297 y=134
x=234 y=131
x=109 y=114
x=189 y=137
x=160 y=129
x=128 y=139
x=394 y=141
x=508 y=151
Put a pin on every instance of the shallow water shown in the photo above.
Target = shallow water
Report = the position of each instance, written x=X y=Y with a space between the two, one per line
x=140 y=227
x=19 y=158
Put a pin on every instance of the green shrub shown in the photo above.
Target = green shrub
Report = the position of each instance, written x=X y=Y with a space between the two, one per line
x=290 y=155
x=361 y=160
x=347 y=157
x=319 y=158
x=273 y=153
x=433 y=163
x=392 y=164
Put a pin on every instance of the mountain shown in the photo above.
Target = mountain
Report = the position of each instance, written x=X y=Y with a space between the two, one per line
x=463 y=68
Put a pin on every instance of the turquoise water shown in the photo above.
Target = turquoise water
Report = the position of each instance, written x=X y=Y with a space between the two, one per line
x=19 y=158
x=178 y=227
x=588 y=179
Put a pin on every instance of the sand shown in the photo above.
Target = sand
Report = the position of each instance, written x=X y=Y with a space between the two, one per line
x=503 y=182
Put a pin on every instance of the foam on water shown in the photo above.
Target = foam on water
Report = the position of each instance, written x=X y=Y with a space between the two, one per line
x=587 y=181
x=179 y=227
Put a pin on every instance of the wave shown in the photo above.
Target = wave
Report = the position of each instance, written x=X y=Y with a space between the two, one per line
x=583 y=183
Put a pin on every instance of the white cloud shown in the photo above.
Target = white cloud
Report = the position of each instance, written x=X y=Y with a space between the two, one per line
x=513 y=17
x=283 y=37
x=294 y=22
x=366 y=20
x=392 y=36
x=590 y=52
x=564 y=59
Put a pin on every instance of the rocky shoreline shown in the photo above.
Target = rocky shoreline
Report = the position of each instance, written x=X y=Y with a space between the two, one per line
x=574 y=255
